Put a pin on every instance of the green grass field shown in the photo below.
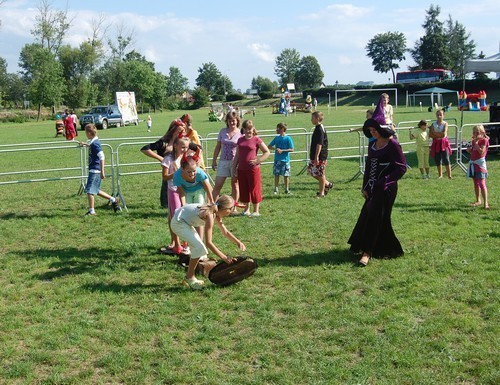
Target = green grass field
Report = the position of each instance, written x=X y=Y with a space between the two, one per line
x=90 y=300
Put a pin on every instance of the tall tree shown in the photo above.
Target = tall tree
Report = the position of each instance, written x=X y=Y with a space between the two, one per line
x=78 y=64
x=431 y=50
x=43 y=74
x=385 y=49
x=210 y=78
x=176 y=82
x=50 y=26
x=460 y=47
x=309 y=74
x=287 y=65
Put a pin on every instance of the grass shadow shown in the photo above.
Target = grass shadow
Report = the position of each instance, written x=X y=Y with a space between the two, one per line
x=332 y=257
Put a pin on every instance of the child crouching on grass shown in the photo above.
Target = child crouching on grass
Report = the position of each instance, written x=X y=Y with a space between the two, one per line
x=189 y=216
x=96 y=171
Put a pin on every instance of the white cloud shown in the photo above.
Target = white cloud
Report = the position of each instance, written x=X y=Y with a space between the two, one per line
x=262 y=51
x=344 y=12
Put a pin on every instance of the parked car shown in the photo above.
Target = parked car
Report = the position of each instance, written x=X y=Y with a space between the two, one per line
x=493 y=130
x=103 y=117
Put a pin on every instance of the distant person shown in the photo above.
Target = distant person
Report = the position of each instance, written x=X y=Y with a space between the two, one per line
x=422 y=139
x=373 y=234
x=281 y=166
x=189 y=216
x=226 y=148
x=440 y=148
x=149 y=123
x=74 y=118
x=246 y=164
x=96 y=171
x=315 y=104
x=477 y=165
x=318 y=155
x=69 y=128
x=388 y=110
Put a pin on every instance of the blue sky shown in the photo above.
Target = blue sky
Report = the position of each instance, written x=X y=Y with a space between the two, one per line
x=243 y=38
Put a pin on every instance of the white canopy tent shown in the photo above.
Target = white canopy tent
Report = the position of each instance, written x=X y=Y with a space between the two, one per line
x=489 y=64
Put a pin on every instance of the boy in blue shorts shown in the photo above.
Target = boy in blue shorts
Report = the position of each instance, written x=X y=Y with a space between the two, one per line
x=96 y=171
x=284 y=146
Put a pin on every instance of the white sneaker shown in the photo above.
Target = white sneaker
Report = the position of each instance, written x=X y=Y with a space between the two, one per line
x=276 y=191
x=194 y=283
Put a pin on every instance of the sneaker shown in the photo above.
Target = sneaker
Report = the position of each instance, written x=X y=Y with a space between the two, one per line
x=287 y=191
x=193 y=283
x=90 y=213
x=116 y=205
x=276 y=191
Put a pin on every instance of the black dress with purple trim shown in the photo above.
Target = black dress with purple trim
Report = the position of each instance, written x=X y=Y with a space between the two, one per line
x=373 y=233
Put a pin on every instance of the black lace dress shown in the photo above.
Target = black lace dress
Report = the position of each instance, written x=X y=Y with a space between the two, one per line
x=373 y=232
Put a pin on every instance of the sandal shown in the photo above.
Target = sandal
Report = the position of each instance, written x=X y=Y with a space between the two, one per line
x=364 y=260
x=193 y=283
x=172 y=250
x=328 y=187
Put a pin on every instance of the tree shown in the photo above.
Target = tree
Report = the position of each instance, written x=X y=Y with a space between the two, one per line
x=431 y=50
x=287 y=65
x=201 y=97
x=176 y=83
x=78 y=64
x=50 y=26
x=210 y=78
x=3 y=78
x=460 y=47
x=386 y=48
x=309 y=74
x=265 y=87
x=43 y=74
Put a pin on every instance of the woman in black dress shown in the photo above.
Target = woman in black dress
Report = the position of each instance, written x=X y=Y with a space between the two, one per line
x=373 y=234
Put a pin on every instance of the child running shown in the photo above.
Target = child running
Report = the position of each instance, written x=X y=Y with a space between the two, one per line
x=477 y=164
x=284 y=146
x=189 y=216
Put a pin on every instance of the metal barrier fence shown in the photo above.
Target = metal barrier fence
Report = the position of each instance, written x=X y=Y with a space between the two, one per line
x=122 y=166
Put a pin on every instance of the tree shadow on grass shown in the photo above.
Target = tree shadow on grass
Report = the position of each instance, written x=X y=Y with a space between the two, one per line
x=73 y=262
x=131 y=288
x=331 y=257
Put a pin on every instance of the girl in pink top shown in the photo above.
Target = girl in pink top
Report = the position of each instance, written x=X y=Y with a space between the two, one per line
x=247 y=165
x=440 y=148
x=477 y=164
x=226 y=147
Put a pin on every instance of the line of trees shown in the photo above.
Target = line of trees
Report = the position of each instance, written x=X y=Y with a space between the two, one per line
x=443 y=45
x=53 y=73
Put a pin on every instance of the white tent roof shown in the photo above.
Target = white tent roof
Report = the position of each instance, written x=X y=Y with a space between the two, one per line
x=489 y=64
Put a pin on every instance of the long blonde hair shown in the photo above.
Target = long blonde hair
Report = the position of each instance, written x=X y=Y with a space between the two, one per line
x=481 y=129
x=224 y=202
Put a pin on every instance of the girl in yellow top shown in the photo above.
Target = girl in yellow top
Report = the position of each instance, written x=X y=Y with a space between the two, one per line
x=422 y=139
